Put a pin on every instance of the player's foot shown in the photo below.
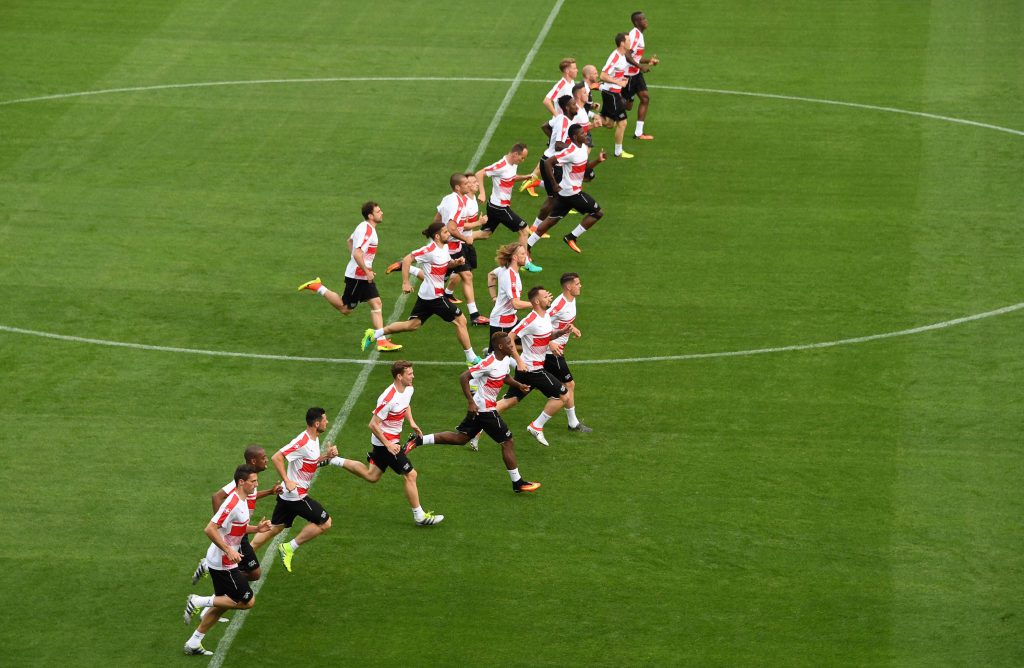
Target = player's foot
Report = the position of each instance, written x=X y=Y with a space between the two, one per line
x=625 y=155
x=532 y=268
x=452 y=299
x=525 y=486
x=573 y=212
x=367 y=340
x=413 y=442
x=313 y=285
x=581 y=428
x=190 y=609
x=479 y=320
x=533 y=230
x=476 y=360
x=571 y=243
x=286 y=552
x=387 y=346
x=527 y=184
x=537 y=434
x=200 y=572
x=474 y=443
x=430 y=519
x=394 y=266
x=197 y=651
x=648 y=137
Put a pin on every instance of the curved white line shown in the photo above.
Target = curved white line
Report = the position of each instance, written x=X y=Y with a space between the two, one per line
x=619 y=360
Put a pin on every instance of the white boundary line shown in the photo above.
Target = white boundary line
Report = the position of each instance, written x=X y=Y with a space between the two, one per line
x=357 y=389
x=618 y=360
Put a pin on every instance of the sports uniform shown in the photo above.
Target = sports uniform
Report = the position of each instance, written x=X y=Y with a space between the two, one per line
x=637 y=82
x=430 y=298
x=489 y=377
x=562 y=87
x=510 y=286
x=535 y=333
x=249 y=561
x=301 y=454
x=563 y=314
x=232 y=520
x=392 y=407
x=499 y=212
x=357 y=288
x=453 y=209
x=559 y=133
x=570 y=195
x=612 y=104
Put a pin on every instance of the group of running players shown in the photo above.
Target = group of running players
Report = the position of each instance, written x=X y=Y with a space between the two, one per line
x=444 y=263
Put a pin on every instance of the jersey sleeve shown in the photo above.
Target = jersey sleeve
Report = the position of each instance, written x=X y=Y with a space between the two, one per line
x=448 y=209
x=491 y=170
x=524 y=325
x=422 y=250
x=361 y=237
x=384 y=403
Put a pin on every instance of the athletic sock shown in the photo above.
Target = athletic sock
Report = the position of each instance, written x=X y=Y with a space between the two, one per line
x=294 y=545
x=337 y=461
x=514 y=474
x=378 y=333
x=322 y=289
x=205 y=601
x=472 y=309
x=418 y=514
x=534 y=238
x=536 y=223
x=416 y=271
x=196 y=640
x=428 y=439
x=639 y=128
x=618 y=149
x=448 y=293
x=541 y=420
x=578 y=232
x=470 y=354
x=571 y=414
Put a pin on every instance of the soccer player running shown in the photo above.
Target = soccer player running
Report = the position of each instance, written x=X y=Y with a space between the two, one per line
x=557 y=131
x=359 y=275
x=613 y=80
x=575 y=169
x=482 y=412
x=637 y=86
x=256 y=457
x=470 y=219
x=505 y=286
x=538 y=338
x=392 y=410
x=453 y=212
x=225 y=530
x=563 y=315
x=430 y=300
x=504 y=176
x=562 y=87
x=296 y=463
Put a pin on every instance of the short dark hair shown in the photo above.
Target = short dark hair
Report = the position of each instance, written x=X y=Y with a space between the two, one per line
x=573 y=129
x=314 y=414
x=399 y=367
x=243 y=472
x=518 y=148
x=568 y=277
x=534 y=291
x=368 y=208
x=457 y=179
x=496 y=339
x=579 y=85
x=635 y=15
x=251 y=451
x=433 y=229
x=564 y=102
x=620 y=38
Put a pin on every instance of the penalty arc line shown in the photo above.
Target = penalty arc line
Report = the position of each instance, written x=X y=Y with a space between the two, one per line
x=357 y=389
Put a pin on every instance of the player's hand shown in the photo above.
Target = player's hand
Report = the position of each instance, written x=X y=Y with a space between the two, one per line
x=521 y=365
x=556 y=348
x=524 y=388
x=370 y=275
x=575 y=332
x=406 y=287
x=481 y=198
x=332 y=451
x=459 y=261
x=263 y=526
x=654 y=60
x=290 y=485
x=393 y=447
x=472 y=407
x=233 y=556
x=602 y=156
x=277 y=489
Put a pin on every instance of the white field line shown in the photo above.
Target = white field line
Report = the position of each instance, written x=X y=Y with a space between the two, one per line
x=357 y=389
x=618 y=360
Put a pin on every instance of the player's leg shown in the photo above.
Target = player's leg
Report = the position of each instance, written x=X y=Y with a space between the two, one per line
x=259 y=539
x=332 y=297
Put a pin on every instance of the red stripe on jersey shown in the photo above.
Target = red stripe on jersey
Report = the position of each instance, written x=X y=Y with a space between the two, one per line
x=298 y=444
x=387 y=398
x=580 y=168
x=423 y=251
x=495 y=382
x=307 y=466
x=227 y=511
x=495 y=167
x=507 y=319
x=238 y=528
x=526 y=321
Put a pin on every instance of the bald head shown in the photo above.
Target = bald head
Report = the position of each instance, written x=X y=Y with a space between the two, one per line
x=457 y=180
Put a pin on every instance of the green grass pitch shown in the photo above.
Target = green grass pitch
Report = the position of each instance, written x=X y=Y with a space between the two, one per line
x=851 y=505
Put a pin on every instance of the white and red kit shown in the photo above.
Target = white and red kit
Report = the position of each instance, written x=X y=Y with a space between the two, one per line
x=562 y=87
x=535 y=332
x=503 y=177
x=636 y=50
x=434 y=259
x=392 y=407
x=452 y=207
x=232 y=520
x=510 y=286
x=489 y=376
x=364 y=238
x=581 y=118
x=559 y=133
x=562 y=313
x=471 y=212
x=301 y=455
x=249 y=500
x=574 y=163
x=616 y=69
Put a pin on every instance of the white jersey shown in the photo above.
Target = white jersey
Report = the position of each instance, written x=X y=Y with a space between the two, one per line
x=364 y=238
x=392 y=407
x=301 y=455
x=249 y=500
x=562 y=87
x=559 y=133
x=434 y=259
x=582 y=118
x=471 y=213
x=510 y=286
x=232 y=520
x=535 y=332
x=489 y=376
x=452 y=207
x=574 y=164
x=616 y=69
x=636 y=51
x=562 y=314
x=503 y=177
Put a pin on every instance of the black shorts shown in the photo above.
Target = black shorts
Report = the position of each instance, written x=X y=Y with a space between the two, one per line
x=541 y=380
x=231 y=583
x=581 y=201
x=357 y=291
x=502 y=215
x=613 y=106
x=249 y=560
x=308 y=509
x=441 y=307
x=384 y=460
x=636 y=84
x=489 y=422
x=550 y=187
x=557 y=367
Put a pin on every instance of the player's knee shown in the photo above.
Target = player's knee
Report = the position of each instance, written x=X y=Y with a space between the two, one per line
x=326 y=525
x=597 y=215
x=411 y=475
x=375 y=304
x=253 y=575
x=251 y=602
x=644 y=97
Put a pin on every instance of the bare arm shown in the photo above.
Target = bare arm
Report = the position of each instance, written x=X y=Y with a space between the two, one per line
x=482 y=195
x=360 y=259
x=212 y=532
x=278 y=460
x=464 y=379
x=218 y=498
x=375 y=427
x=549 y=104
x=406 y=266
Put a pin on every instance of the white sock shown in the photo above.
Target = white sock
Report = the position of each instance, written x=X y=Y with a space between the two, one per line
x=541 y=420
x=418 y=514
x=294 y=545
x=378 y=334
x=196 y=640
x=536 y=223
x=472 y=307
x=534 y=238
x=578 y=232
x=571 y=414
x=470 y=355
x=416 y=271
x=618 y=149
x=322 y=289
x=639 y=128
x=337 y=461
x=205 y=601
x=428 y=439
x=514 y=474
